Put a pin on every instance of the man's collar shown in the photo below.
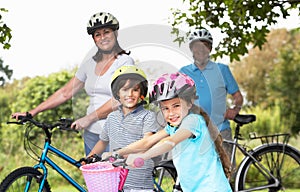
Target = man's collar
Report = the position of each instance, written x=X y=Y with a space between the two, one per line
x=207 y=67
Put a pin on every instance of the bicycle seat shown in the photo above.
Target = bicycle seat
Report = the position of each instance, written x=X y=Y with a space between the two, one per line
x=244 y=119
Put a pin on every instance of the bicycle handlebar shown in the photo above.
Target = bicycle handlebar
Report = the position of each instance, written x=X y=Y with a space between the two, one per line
x=121 y=162
x=63 y=123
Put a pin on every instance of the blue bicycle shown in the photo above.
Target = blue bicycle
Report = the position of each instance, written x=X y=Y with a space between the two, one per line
x=35 y=178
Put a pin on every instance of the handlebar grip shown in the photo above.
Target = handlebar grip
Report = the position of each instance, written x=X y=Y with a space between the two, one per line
x=139 y=162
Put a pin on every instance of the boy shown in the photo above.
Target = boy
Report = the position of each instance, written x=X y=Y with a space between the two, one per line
x=129 y=123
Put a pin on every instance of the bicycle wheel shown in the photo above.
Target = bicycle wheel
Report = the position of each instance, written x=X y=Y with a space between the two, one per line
x=17 y=180
x=165 y=177
x=282 y=161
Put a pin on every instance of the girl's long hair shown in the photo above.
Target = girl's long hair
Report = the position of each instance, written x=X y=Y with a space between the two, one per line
x=189 y=96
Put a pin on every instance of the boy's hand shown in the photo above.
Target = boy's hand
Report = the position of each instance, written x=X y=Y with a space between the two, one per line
x=90 y=159
x=106 y=155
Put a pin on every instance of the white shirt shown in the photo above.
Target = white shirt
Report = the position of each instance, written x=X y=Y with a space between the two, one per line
x=98 y=86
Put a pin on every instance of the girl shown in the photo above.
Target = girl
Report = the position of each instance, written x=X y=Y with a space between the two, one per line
x=195 y=142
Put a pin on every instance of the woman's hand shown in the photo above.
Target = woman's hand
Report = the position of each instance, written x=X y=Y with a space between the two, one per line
x=17 y=114
x=81 y=123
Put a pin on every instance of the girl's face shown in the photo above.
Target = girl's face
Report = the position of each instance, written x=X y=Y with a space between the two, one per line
x=129 y=96
x=105 y=38
x=174 y=110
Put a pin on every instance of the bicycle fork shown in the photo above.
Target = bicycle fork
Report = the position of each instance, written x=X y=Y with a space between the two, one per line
x=177 y=187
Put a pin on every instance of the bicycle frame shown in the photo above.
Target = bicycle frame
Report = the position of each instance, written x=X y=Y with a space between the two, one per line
x=45 y=159
x=258 y=165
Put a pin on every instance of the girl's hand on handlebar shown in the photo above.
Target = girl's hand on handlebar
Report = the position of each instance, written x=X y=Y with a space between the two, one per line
x=135 y=160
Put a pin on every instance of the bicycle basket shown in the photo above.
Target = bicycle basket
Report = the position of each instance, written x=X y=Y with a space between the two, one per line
x=101 y=177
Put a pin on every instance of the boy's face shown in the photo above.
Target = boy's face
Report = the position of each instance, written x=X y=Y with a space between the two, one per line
x=129 y=96
x=174 y=110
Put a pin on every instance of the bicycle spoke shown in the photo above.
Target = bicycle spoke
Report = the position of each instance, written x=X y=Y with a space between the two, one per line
x=283 y=165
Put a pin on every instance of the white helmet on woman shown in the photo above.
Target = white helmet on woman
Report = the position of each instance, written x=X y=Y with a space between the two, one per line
x=200 y=34
x=100 y=20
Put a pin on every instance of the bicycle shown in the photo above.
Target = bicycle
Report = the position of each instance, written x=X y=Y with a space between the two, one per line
x=165 y=176
x=272 y=165
x=35 y=178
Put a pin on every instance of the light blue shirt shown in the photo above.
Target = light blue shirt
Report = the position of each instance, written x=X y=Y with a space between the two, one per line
x=213 y=84
x=197 y=163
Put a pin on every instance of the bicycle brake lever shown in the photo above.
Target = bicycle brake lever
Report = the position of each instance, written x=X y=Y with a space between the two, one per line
x=119 y=163
x=66 y=124
x=92 y=159
x=68 y=129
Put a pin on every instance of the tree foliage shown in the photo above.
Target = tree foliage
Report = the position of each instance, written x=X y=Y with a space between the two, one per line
x=38 y=89
x=269 y=77
x=7 y=73
x=242 y=22
x=253 y=71
x=285 y=81
x=5 y=37
x=5 y=32
x=22 y=95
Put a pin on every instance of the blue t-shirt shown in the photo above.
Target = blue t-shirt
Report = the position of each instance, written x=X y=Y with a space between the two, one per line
x=213 y=84
x=196 y=160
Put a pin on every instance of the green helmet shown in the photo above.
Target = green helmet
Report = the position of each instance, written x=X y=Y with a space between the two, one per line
x=129 y=72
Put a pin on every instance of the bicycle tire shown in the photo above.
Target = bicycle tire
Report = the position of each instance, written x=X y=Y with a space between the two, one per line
x=167 y=181
x=17 y=179
x=283 y=161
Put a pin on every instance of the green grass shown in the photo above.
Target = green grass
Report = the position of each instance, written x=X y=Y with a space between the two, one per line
x=9 y=162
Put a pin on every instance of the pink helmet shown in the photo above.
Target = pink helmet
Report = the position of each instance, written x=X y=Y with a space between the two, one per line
x=172 y=85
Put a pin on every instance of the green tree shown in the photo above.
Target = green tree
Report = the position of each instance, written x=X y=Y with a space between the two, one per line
x=235 y=20
x=4 y=69
x=5 y=32
x=253 y=71
x=38 y=89
x=269 y=77
x=284 y=83
x=5 y=37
